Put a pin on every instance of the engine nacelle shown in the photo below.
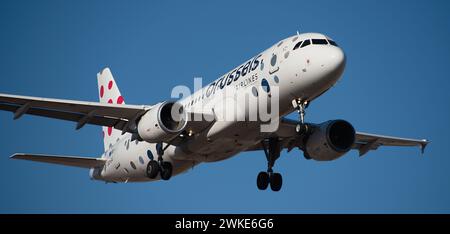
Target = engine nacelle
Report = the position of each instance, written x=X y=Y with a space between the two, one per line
x=163 y=122
x=330 y=140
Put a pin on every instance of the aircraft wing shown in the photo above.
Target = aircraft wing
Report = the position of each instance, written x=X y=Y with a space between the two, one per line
x=83 y=162
x=364 y=142
x=81 y=112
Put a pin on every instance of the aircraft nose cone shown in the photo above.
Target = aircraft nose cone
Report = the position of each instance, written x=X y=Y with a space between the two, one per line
x=330 y=65
x=334 y=60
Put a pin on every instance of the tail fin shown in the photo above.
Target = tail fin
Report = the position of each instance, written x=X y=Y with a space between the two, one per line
x=109 y=93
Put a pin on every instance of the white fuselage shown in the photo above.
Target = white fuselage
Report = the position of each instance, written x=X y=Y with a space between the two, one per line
x=303 y=73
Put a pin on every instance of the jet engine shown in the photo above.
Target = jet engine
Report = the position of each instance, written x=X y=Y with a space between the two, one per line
x=330 y=140
x=162 y=122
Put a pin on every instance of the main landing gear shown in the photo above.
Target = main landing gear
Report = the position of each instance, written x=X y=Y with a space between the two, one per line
x=155 y=167
x=272 y=152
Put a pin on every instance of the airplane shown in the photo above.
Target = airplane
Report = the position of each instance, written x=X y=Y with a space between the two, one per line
x=155 y=142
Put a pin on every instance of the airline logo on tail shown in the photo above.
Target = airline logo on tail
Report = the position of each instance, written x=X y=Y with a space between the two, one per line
x=109 y=93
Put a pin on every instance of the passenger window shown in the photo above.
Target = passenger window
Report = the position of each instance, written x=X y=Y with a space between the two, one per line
x=297 y=45
x=305 y=43
x=319 y=42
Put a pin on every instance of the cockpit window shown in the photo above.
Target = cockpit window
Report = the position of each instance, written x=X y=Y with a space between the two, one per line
x=333 y=43
x=297 y=45
x=306 y=43
x=319 y=42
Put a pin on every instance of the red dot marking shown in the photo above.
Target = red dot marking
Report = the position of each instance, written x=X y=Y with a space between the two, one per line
x=110 y=101
x=110 y=84
x=109 y=131
x=102 y=91
x=120 y=100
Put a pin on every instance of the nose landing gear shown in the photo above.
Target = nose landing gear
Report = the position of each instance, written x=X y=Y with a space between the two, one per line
x=272 y=152
x=300 y=106
x=160 y=166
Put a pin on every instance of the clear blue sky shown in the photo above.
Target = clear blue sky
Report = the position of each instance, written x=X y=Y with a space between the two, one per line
x=396 y=82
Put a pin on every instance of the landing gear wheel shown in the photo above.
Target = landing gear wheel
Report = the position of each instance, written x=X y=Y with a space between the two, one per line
x=276 y=181
x=263 y=180
x=166 y=170
x=301 y=128
x=152 y=169
x=272 y=151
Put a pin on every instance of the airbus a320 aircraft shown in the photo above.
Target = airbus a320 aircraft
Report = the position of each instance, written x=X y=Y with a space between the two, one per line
x=148 y=143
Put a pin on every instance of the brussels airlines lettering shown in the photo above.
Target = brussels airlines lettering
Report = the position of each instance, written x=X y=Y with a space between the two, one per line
x=234 y=75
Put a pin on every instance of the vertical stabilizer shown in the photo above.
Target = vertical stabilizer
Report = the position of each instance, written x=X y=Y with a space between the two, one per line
x=109 y=93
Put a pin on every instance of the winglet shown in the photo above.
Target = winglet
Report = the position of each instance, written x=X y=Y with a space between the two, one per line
x=423 y=145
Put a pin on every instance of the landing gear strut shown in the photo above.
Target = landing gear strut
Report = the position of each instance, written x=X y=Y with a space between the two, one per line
x=300 y=106
x=272 y=152
x=155 y=167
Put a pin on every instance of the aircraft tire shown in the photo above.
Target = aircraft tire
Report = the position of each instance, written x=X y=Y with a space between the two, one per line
x=276 y=181
x=263 y=180
x=166 y=170
x=152 y=169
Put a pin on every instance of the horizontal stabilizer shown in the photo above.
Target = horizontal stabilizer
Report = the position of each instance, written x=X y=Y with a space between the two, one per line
x=84 y=162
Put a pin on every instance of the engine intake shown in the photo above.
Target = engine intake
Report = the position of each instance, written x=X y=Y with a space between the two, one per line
x=330 y=140
x=163 y=122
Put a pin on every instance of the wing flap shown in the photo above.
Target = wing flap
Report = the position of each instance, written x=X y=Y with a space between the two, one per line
x=84 y=162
